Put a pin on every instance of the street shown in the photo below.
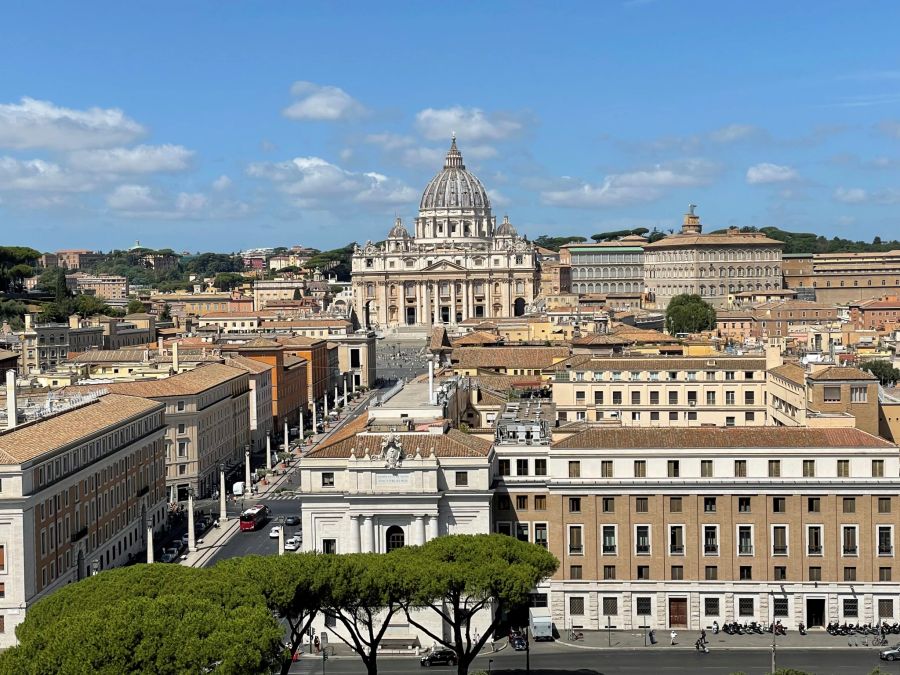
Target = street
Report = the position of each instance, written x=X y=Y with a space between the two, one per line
x=258 y=542
x=395 y=359
x=548 y=659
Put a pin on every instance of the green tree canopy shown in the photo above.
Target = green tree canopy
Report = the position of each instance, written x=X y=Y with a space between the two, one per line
x=689 y=314
x=458 y=576
x=336 y=261
x=556 y=243
x=883 y=370
x=210 y=264
x=149 y=619
x=227 y=280
x=135 y=306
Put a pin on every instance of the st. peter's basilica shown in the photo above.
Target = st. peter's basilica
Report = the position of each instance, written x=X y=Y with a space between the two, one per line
x=458 y=264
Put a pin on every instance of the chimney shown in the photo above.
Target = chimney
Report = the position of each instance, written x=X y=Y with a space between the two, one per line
x=11 y=407
x=175 y=357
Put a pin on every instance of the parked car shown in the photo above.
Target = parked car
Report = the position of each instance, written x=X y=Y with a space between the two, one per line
x=168 y=558
x=892 y=654
x=275 y=532
x=518 y=643
x=292 y=521
x=292 y=544
x=174 y=551
x=439 y=657
x=184 y=539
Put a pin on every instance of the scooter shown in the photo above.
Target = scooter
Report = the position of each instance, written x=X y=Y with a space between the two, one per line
x=715 y=627
x=700 y=646
x=802 y=628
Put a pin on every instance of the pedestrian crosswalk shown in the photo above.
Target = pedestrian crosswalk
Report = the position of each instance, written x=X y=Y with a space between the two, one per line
x=282 y=496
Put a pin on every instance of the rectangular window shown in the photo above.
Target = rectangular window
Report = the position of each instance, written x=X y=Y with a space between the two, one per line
x=462 y=478
x=858 y=394
x=749 y=398
x=617 y=398
x=654 y=398
x=851 y=607
x=540 y=534
x=644 y=606
x=809 y=468
x=711 y=606
x=575 y=572
x=774 y=468
x=635 y=398
x=574 y=504
x=640 y=468
x=814 y=540
x=540 y=502
x=598 y=398
x=779 y=504
x=673 y=416
x=729 y=398
x=710 y=398
x=641 y=504
x=780 y=608
x=521 y=502
x=849 y=504
x=673 y=398
x=884 y=505
x=576 y=606
x=832 y=394
x=710 y=540
x=779 y=540
x=885 y=540
x=608 y=534
x=606 y=468
x=642 y=540
x=575 y=545
x=740 y=468
x=676 y=540
x=504 y=503
x=815 y=573
x=886 y=605
x=675 y=504
x=673 y=468
x=610 y=606
x=608 y=504
x=849 y=574
x=643 y=572
x=540 y=467
x=779 y=573
x=813 y=504
x=503 y=467
x=609 y=572
x=329 y=546
x=521 y=467
x=575 y=469
x=745 y=607
x=877 y=468
x=709 y=504
x=745 y=540
x=677 y=573
x=743 y=504
x=328 y=479
x=706 y=468
x=843 y=468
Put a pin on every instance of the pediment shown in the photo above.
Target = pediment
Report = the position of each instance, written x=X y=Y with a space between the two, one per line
x=444 y=266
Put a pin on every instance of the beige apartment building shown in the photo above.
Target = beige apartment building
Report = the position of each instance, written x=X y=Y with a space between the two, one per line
x=661 y=391
x=840 y=278
x=677 y=528
x=106 y=286
x=208 y=423
x=80 y=487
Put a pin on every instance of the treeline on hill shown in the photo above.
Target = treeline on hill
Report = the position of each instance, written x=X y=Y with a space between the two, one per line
x=228 y=618
x=336 y=261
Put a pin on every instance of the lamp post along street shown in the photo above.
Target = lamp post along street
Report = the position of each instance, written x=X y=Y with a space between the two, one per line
x=315 y=428
x=248 y=483
x=149 y=541
x=192 y=541
x=223 y=515
x=281 y=536
x=269 y=450
x=301 y=426
x=287 y=438
x=325 y=409
x=336 y=397
x=345 y=391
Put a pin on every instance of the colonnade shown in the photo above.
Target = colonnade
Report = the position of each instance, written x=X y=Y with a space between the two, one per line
x=424 y=528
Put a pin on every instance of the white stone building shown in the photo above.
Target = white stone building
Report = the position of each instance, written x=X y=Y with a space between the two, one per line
x=457 y=265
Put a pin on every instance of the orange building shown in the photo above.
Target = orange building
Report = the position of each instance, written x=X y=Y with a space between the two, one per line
x=289 y=377
x=315 y=352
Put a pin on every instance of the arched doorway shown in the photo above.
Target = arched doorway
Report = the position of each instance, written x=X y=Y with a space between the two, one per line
x=394 y=538
x=519 y=307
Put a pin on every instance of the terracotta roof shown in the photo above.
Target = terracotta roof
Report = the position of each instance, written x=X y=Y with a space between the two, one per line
x=439 y=339
x=508 y=357
x=731 y=437
x=290 y=361
x=634 y=334
x=256 y=343
x=299 y=341
x=879 y=304
x=52 y=433
x=478 y=337
x=452 y=444
x=301 y=323
x=644 y=362
x=500 y=383
x=722 y=239
x=790 y=372
x=250 y=365
x=842 y=373
x=188 y=383
x=600 y=339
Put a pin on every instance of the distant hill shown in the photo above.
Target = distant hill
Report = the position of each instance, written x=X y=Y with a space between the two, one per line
x=807 y=242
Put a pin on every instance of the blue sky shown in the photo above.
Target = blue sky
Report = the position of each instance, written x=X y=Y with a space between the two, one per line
x=224 y=125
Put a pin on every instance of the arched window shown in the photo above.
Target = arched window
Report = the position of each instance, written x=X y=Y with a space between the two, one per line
x=394 y=538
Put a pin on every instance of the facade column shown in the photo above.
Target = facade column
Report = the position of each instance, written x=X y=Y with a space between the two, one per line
x=354 y=534
x=437 y=302
x=432 y=527
x=425 y=318
x=368 y=535
x=467 y=311
x=419 y=531
x=453 y=302
x=418 y=288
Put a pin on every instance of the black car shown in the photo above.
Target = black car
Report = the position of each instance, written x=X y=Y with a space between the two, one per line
x=518 y=643
x=439 y=657
x=292 y=520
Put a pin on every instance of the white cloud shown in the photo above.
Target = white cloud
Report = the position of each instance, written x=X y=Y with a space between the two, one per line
x=41 y=124
x=143 y=201
x=498 y=198
x=221 y=183
x=734 y=132
x=472 y=125
x=315 y=183
x=763 y=173
x=632 y=187
x=884 y=196
x=39 y=175
x=322 y=102
x=136 y=160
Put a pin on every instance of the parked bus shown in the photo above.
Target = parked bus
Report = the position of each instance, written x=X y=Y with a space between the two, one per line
x=255 y=517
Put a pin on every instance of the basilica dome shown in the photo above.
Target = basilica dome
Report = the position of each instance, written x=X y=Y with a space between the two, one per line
x=454 y=187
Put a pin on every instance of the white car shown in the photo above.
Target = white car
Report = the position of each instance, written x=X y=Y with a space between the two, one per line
x=292 y=544
x=275 y=532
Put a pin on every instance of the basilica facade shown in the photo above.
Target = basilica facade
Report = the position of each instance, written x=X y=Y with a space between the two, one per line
x=459 y=264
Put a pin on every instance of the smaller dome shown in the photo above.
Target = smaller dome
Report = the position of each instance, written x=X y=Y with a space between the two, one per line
x=398 y=231
x=506 y=229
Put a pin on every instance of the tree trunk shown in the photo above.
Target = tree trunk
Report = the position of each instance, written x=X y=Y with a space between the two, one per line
x=465 y=661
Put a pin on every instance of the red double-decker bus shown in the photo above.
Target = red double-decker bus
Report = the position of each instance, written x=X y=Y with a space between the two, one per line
x=255 y=517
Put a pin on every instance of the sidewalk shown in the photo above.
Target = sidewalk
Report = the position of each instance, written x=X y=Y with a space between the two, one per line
x=634 y=639
x=210 y=542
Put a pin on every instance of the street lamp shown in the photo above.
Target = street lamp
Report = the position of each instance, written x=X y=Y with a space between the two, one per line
x=223 y=514
x=269 y=450
x=192 y=544
x=281 y=522
x=772 y=605
x=247 y=482
x=148 y=525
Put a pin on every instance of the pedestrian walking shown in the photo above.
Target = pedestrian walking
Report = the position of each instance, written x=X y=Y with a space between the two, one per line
x=673 y=635
x=316 y=644
x=703 y=636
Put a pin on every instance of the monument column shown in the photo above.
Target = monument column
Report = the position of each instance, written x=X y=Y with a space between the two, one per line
x=354 y=534
x=437 y=302
x=419 y=531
